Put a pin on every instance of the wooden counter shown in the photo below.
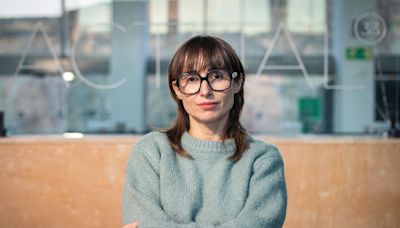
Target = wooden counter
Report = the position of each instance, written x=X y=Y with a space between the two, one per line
x=49 y=181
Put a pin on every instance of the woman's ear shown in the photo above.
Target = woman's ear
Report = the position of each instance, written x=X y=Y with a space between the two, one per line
x=239 y=83
x=176 y=90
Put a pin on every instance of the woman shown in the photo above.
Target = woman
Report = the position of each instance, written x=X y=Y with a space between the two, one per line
x=205 y=171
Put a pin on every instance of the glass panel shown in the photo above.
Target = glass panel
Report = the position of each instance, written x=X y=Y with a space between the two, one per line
x=19 y=24
x=30 y=86
x=255 y=16
x=35 y=96
x=191 y=16
x=158 y=19
x=387 y=68
x=306 y=16
x=223 y=16
x=294 y=53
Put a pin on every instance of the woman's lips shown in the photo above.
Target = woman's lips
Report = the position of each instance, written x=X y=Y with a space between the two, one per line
x=208 y=105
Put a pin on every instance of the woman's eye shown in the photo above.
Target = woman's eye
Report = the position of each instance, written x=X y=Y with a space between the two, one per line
x=217 y=76
x=192 y=78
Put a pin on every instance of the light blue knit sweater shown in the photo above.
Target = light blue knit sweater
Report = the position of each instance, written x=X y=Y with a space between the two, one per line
x=163 y=189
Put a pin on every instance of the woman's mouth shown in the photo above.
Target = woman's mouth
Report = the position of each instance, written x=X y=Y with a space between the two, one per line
x=208 y=105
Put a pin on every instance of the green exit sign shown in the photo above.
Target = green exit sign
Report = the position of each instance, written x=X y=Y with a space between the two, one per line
x=359 y=53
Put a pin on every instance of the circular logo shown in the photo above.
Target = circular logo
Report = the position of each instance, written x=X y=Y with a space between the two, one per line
x=370 y=27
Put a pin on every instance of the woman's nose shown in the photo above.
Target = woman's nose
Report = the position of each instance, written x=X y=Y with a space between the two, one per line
x=205 y=89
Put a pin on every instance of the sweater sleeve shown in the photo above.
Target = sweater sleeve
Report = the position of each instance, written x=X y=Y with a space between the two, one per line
x=267 y=200
x=141 y=194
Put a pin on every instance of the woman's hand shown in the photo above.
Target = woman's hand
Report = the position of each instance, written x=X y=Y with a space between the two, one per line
x=135 y=224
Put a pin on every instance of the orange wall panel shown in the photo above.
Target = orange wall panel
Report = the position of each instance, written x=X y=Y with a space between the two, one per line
x=332 y=182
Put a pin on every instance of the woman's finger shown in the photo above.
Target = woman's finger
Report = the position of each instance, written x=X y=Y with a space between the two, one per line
x=132 y=225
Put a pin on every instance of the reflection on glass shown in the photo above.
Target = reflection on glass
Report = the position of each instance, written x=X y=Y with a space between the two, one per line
x=50 y=100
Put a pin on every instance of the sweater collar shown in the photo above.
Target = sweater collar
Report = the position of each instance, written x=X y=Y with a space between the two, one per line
x=194 y=145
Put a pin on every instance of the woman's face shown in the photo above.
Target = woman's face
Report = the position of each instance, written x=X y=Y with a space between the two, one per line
x=208 y=106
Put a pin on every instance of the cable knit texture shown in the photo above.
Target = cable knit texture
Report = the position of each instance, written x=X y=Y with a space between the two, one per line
x=163 y=189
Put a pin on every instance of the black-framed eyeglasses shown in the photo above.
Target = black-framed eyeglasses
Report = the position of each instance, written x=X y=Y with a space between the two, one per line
x=217 y=80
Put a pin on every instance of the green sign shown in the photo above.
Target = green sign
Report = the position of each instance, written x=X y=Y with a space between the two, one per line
x=359 y=53
x=310 y=114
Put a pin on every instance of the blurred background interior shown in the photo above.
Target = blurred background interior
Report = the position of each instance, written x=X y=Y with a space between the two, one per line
x=99 y=66
x=322 y=84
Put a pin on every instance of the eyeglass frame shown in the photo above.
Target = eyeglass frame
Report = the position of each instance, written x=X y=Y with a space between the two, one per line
x=232 y=75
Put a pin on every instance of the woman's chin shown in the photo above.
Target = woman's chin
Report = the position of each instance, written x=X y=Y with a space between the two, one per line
x=209 y=118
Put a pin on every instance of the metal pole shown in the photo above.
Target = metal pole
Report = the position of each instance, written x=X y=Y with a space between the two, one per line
x=64 y=35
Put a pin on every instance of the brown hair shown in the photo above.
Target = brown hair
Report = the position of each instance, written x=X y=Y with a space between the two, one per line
x=202 y=53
